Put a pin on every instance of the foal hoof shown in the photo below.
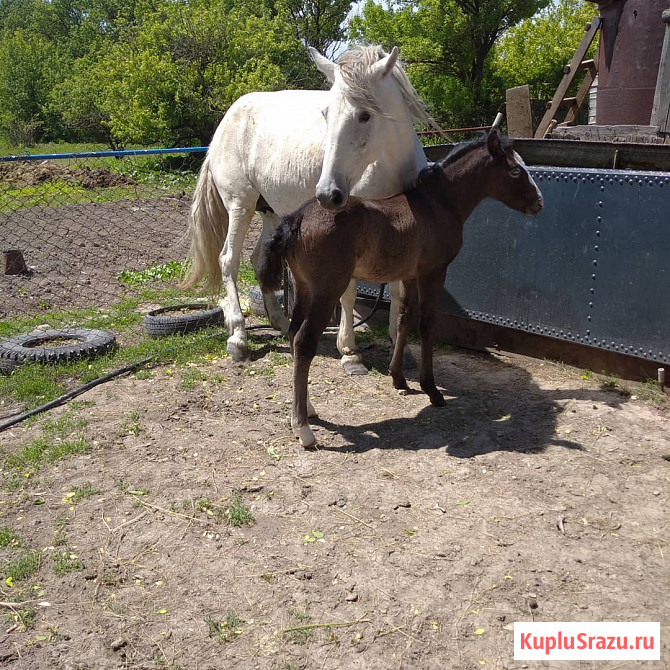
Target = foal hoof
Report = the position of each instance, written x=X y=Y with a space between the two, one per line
x=352 y=365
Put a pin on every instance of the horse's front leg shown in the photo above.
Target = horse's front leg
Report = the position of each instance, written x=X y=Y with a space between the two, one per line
x=409 y=361
x=229 y=260
x=405 y=303
x=430 y=288
x=352 y=361
x=278 y=319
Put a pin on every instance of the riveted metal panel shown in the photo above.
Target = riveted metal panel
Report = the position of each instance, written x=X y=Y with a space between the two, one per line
x=592 y=268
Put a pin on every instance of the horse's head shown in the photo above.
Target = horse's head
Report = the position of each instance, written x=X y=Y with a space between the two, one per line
x=362 y=115
x=512 y=183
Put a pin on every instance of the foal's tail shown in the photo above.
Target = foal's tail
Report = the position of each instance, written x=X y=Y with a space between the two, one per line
x=269 y=271
x=208 y=227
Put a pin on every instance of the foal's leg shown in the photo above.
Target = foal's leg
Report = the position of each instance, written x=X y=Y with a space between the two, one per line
x=430 y=288
x=240 y=214
x=352 y=360
x=406 y=303
x=304 y=342
x=275 y=313
x=394 y=290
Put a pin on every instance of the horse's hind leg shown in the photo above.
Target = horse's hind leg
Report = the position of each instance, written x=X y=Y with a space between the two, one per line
x=394 y=290
x=239 y=219
x=275 y=313
x=430 y=288
x=406 y=303
x=346 y=340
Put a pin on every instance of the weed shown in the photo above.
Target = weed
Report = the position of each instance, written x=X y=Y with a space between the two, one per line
x=132 y=426
x=191 y=378
x=299 y=635
x=613 y=383
x=651 y=391
x=22 y=567
x=226 y=629
x=60 y=536
x=24 y=617
x=60 y=438
x=80 y=493
x=238 y=513
x=9 y=538
x=162 y=272
x=65 y=562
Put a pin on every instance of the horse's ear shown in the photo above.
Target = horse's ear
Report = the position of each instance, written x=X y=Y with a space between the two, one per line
x=323 y=65
x=385 y=66
x=494 y=141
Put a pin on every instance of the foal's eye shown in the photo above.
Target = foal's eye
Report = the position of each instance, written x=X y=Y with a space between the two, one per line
x=364 y=117
x=515 y=173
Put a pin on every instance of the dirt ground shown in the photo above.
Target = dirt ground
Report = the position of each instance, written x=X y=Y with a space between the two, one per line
x=414 y=537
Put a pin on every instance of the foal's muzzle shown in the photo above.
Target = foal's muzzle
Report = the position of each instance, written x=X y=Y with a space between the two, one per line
x=535 y=207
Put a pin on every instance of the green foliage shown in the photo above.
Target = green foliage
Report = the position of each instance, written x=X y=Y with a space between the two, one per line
x=21 y=568
x=446 y=47
x=9 y=538
x=535 y=51
x=162 y=272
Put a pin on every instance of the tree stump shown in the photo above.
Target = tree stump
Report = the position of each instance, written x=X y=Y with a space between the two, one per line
x=13 y=263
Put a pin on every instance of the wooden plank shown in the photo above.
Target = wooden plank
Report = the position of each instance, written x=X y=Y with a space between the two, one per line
x=568 y=78
x=660 y=112
x=595 y=133
x=583 y=92
x=517 y=108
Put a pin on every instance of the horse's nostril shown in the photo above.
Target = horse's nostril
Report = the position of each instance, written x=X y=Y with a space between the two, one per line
x=337 y=197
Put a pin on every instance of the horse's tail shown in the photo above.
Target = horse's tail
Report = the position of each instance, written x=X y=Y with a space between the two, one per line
x=275 y=250
x=208 y=227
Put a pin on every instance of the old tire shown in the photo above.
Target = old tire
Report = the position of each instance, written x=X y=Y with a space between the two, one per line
x=163 y=321
x=31 y=347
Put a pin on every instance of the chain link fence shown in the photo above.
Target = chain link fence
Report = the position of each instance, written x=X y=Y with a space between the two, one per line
x=82 y=231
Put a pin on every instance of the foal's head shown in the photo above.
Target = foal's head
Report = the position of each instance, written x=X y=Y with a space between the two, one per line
x=508 y=179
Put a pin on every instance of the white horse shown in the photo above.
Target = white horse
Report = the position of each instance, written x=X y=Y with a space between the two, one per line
x=273 y=151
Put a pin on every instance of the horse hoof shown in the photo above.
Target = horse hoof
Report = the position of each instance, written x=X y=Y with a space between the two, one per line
x=352 y=365
x=237 y=351
x=438 y=400
x=306 y=436
x=403 y=391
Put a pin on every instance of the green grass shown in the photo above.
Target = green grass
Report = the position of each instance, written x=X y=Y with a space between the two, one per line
x=238 y=513
x=79 y=493
x=65 y=562
x=60 y=439
x=21 y=568
x=9 y=538
x=226 y=629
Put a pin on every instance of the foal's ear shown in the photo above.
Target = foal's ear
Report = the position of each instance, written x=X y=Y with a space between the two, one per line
x=385 y=66
x=494 y=141
x=323 y=65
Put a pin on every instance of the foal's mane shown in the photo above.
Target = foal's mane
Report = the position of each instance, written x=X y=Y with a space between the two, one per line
x=354 y=66
x=457 y=152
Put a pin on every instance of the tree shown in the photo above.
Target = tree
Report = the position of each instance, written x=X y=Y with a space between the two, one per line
x=446 y=46
x=535 y=51
x=170 y=78
x=319 y=23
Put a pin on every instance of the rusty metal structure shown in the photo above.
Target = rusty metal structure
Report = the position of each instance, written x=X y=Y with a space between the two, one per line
x=629 y=56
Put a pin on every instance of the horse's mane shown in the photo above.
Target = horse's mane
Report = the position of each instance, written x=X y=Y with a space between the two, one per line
x=354 y=66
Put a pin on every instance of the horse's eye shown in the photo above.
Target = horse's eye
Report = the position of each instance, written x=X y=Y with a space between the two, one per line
x=515 y=173
x=364 y=117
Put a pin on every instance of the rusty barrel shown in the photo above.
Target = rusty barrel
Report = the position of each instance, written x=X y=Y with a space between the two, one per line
x=630 y=52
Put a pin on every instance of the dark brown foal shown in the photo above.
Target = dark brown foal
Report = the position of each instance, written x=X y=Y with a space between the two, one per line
x=410 y=238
